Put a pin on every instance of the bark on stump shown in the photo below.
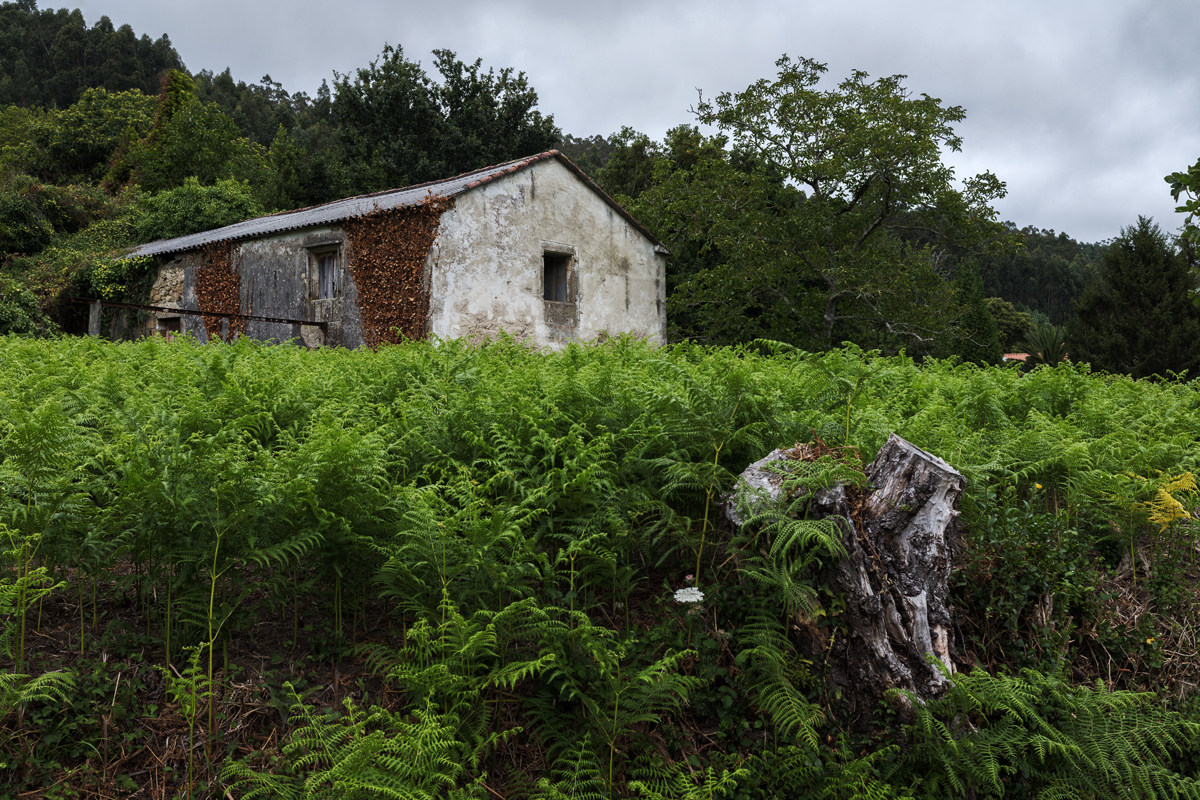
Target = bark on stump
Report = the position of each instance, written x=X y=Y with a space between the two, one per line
x=895 y=576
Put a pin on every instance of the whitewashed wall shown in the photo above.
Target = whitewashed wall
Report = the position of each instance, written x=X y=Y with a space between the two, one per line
x=486 y=266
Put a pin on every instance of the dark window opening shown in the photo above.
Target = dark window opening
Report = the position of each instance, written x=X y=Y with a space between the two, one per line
x=327 y=275
x=170 y=327
x=555 y=287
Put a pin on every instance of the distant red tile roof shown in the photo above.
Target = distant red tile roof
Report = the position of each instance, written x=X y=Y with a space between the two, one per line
x=1016 y=356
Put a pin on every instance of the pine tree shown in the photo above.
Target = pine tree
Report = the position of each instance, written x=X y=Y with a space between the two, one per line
x=979 y=335
x=1138 y=318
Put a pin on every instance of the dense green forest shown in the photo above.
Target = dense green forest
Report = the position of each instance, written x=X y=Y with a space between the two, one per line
x=855 y=232
x=444 y=569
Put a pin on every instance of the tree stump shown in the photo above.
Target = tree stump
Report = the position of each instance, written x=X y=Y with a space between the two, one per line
x=895 y=576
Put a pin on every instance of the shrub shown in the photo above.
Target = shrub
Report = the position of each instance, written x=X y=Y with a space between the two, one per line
x=22 y=228
x=19 y=312
x=192 y=208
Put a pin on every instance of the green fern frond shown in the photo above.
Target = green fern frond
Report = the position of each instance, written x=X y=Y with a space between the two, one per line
x=576 y=775
x=1061 y=740
x=21 y=690
x=709 y=784
x=783 y=546
x=770 y=667
x=362 y=754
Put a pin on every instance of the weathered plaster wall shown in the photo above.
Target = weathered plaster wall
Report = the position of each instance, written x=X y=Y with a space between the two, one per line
x=175 y=287
x=486 y=266
x=277 y=280
x=166 y=291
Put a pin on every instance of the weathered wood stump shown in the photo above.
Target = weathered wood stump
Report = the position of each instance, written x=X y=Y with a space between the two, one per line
x=895 y=576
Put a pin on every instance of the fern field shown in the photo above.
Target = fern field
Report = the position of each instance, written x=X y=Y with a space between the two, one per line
x=457 y=571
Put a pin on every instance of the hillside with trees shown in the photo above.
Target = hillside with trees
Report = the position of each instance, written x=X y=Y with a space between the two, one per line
x=101 y=159
x=49 y=58
x=1046 y=277
x=78 y=166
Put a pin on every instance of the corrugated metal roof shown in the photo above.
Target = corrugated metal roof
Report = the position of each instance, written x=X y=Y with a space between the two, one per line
x=369 y=203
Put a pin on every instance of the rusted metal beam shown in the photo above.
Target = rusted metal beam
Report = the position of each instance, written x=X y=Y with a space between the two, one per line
x=324 y=326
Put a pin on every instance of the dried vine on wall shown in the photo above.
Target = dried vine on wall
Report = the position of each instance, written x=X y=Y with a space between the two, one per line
x=219 y=289
x=387 y=261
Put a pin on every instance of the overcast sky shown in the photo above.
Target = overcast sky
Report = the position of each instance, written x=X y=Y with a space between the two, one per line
x=1080 y=107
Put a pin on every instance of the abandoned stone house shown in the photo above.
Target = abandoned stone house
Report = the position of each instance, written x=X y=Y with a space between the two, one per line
x=532 y=247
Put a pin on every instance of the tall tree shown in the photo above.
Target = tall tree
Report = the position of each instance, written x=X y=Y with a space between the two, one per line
x=398 y=127
x=286 y=158
x=193 y=139
x=814 y=208
x=589 y=153
x=726 y=219
x=1046 y=275
x=975 y=338
x=629 y=169
x=307 y=159
x=76 y=144
x=1138 y=318
x=258 y=109
x=1013 y=326
x=48 y=58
